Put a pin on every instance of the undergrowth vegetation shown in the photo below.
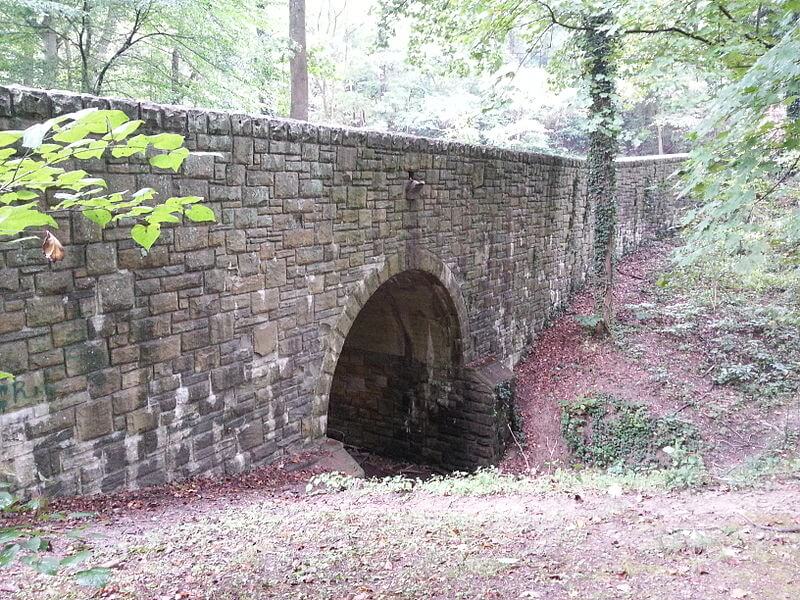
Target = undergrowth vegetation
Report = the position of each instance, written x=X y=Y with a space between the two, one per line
x=604 y=431
x=683 y=473
x=740 y=330
x=33 y=546
x=749 y=323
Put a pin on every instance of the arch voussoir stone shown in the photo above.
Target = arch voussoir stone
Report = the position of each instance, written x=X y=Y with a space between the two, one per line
x=360 y=293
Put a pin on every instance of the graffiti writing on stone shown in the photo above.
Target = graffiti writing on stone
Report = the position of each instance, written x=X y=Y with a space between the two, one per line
x=23 y=391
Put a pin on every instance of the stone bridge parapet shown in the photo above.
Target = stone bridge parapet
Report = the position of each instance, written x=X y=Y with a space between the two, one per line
x=218 y=350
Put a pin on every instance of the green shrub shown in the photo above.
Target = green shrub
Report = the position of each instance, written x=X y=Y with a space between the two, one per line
x=604 y=431
x=31 y=546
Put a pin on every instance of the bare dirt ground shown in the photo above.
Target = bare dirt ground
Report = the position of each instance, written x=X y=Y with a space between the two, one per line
x=262 y=535
x=364 y=545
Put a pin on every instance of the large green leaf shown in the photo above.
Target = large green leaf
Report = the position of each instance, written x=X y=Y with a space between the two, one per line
x=101 y=121
x=9 y=137
x=36 y=544
x=49 y=565
x=121 y=132
x=94 y=149
x=171 y=160
x=71 y=135
x=23 y=195
x=10 y=534
x=200 y=214
x=145 y=236
x=15 y=219
x=8 y=554
x=6 y=499
x=101 y=216
x=75 y=559
x=166 y=141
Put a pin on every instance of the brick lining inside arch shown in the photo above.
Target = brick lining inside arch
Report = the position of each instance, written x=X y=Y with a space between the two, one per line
x=398 y=388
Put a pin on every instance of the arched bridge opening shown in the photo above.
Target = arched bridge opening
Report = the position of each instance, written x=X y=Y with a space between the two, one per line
x=401 y=389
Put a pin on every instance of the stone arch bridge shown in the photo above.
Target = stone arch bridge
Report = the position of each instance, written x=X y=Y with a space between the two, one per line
x=327 y=299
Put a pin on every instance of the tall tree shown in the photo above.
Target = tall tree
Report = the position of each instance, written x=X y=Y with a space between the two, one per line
x=745 y=171
x=721 y=39
x=596 y=30
x=129 y=47
x=298 y=64
x=599 y=40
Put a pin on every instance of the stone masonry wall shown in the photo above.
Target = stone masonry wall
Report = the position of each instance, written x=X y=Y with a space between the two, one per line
x=216 y=351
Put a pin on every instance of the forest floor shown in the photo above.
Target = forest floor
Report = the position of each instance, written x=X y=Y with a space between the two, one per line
x=724 y=358
x=538 y=528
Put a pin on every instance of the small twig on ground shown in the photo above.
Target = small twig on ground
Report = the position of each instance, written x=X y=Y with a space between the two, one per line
x=770 y=528
x=521 y=450
x=684 y=407
x=621 y=272
x=772 y=426
x=732 y=430
x=552 y=451
x=731 y=444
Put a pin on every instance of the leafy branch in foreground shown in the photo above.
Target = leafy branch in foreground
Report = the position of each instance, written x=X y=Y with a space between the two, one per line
x=30 y=546
x=36 y=180
x=745 y=174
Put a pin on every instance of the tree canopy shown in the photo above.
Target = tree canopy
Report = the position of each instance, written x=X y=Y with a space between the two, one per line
x=715 y=77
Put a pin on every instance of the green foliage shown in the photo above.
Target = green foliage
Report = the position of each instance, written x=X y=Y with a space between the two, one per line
x=782 y=460
x=589 y=322
x=668 y=54
x=744 y=170
x=339 y=482
x=150 y=49
x=31 y=175
x=604 y=431
x=749 y=324
x=756 y=351
x=687 y=471
x=504 y=393
x=32 y=547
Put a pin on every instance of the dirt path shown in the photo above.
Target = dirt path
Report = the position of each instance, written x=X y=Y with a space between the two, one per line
x=368 y=545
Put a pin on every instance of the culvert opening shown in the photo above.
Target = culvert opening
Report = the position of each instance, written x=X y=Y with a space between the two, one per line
x=400 y=388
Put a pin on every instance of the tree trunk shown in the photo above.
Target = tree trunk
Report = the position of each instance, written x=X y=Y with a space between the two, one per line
x=298 y=64
x=68 y=63
x=50 y=46
x=793 y=110
x=175 y=77
x=599 y=72
x=660 y=130
x=85 y=49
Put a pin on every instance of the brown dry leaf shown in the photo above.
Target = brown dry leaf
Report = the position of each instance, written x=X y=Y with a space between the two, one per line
x=52 y=248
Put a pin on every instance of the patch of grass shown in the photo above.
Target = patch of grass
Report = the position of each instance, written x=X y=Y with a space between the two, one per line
x=778 y=462
x=686 y=471
x=604 y=431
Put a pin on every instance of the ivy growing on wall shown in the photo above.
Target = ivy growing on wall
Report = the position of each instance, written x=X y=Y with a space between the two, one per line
x=599 y=43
